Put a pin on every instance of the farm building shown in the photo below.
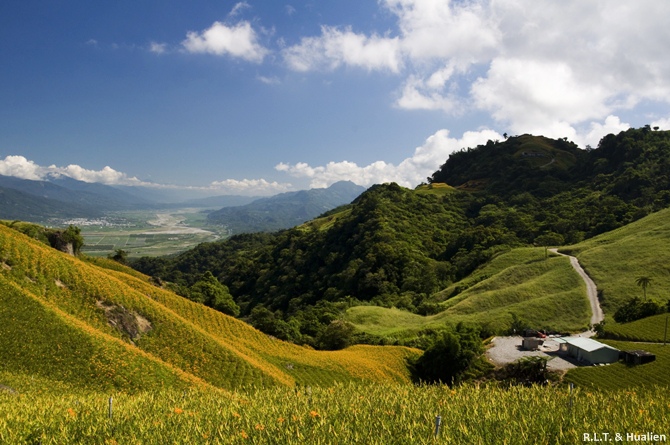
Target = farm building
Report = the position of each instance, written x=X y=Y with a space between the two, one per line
x=588 y=350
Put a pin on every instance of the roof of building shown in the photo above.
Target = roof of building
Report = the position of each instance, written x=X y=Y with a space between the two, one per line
x=586 y=344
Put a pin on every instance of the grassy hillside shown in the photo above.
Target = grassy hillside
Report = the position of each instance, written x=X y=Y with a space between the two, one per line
x=436 y=188
x=615 y=260
x=89 y=325
x=650 y=329
x=327 y=220
x=544 y=293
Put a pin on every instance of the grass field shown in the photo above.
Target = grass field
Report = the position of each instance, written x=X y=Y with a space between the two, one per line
x=539 y=153
x=436 y=188
x=326 y=222
x=150 y=233
x=650 y=329
x=616 y=259
x=545 y=293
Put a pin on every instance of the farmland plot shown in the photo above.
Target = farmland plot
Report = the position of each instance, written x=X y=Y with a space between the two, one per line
x=148 y=233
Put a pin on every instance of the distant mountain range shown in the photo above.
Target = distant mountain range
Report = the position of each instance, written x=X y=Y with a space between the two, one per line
x=64 y=197
x=15 y=204
x=60 y=197
x=286 y=209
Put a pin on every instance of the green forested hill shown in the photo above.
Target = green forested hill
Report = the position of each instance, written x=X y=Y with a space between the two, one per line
x=399 y=247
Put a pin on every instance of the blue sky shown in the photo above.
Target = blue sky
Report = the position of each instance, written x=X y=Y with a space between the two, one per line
x=261 y=97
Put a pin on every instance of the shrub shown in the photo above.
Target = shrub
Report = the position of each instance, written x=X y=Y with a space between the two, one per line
x=526 y=371
x=209 y=291
x=337 y=335
x=450 y=358
x=636 y=309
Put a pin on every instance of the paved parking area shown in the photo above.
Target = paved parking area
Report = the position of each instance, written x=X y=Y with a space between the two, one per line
x=506 y=350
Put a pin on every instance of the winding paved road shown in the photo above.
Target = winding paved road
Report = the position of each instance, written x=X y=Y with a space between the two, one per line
x=591 y=291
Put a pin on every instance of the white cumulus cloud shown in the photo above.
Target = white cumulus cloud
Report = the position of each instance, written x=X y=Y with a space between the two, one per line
x=336 y=47
x=20 y=167
x=597 y=130
x=445 y=29
x=105 y=176
x=420 y=94
x=269 y=80
x=238 y=8
x=541 y=67
x=410 y=172
x=239 y=40
x=662 y=124
x=250 y=186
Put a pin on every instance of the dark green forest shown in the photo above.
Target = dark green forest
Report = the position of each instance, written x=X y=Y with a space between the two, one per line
x=398 y=247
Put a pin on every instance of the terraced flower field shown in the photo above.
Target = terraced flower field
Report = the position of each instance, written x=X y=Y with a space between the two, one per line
x=78 y=322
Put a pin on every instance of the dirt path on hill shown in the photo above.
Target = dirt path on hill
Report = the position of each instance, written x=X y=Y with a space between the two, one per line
x=548 y=163
x=591 y=291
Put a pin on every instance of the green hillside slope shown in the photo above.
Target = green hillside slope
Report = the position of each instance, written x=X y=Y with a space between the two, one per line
x=79 y=323
x=615 y=260
x=542 y=293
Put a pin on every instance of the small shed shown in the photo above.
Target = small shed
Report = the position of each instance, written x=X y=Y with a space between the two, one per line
x=589 y=351
x=531 y=343
x=637 y=357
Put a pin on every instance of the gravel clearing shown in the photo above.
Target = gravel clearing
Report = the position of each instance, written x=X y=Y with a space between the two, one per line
x=506 y=350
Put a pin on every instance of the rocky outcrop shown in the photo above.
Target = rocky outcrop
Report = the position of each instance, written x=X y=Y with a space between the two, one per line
x=129 y=323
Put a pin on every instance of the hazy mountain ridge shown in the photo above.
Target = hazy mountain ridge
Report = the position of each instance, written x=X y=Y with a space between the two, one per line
x=17 y=205
x=63 y=197
x=286 y=209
